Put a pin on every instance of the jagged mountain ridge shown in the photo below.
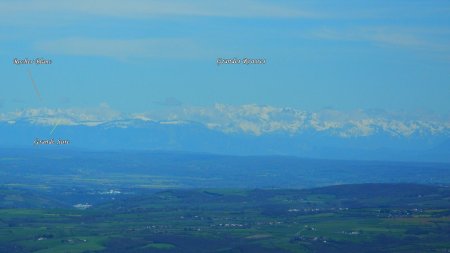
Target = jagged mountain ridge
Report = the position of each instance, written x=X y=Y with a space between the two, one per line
x=138 y=134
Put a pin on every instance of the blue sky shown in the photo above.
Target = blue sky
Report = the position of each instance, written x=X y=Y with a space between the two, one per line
x=146 y=55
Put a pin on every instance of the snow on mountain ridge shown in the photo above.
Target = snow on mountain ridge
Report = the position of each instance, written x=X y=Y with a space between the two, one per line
x=250 y=119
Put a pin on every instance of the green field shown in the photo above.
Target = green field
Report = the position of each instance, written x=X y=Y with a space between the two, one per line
x=347 y=218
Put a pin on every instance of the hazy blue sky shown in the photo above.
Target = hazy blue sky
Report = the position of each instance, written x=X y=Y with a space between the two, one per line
x=141 y=55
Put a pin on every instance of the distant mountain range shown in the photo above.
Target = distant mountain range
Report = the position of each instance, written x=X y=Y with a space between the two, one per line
x=239 y=130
